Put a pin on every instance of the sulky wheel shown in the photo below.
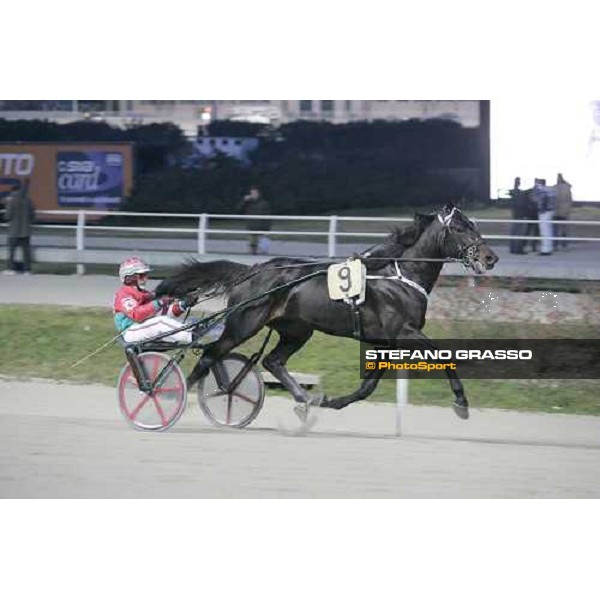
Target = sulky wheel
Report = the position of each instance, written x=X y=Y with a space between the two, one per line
x=160 y=409
x=227 y=399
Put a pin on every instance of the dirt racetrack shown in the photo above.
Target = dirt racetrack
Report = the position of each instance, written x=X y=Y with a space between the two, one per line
x=69 y=441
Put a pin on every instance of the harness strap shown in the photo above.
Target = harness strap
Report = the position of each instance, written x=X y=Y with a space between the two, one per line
x=356 y=319
x=403 y=279
x=446 y=220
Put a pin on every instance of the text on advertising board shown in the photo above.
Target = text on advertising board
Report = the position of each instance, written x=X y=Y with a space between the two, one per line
x=16 y=164
x=89 y=178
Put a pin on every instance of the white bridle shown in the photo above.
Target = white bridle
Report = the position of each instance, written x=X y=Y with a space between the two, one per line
x=446 y=220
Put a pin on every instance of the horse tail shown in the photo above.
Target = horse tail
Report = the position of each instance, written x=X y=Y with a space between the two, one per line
x=215 y=276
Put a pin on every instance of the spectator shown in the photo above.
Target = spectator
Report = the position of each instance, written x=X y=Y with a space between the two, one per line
x=520 y=211
x=564 y=204
x=544 y=198
x=254 y=204
x=532 y=229
x=20 y=213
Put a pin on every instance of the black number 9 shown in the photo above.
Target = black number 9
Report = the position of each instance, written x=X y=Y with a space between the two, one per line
x=344 y=275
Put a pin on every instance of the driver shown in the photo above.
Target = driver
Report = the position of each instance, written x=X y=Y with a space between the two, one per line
x=139 y=315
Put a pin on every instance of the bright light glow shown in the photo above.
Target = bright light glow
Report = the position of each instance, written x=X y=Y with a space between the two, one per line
x=540 y=138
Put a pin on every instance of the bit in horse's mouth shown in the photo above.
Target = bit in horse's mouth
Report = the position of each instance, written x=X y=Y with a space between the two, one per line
x=478 y=267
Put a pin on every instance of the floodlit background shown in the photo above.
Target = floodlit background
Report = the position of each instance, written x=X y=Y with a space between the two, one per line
x=542 y=137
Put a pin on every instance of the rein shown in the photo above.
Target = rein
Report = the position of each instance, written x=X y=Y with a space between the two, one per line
x=442 y=260
x=364 y=257
x=98 y=350
x=359 y=256
x=328 y=262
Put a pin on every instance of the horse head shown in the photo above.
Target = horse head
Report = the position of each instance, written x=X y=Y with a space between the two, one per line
x=461 y=239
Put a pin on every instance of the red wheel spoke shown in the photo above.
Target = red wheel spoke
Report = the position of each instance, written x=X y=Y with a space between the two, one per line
x=168 y=400
x=159 y=409
x=139 y=407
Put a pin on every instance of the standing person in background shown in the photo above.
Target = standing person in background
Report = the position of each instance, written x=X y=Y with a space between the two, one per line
x=254 y=204
x=531 y=210
x=564 y=204
x=520 y=211
x=544 y=198
x=20 y=214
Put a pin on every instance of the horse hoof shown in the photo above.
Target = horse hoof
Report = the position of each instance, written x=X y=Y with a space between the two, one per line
x=317 y=401
x=461 y=410
x=303 y=408
x=301 y=411
x=307 y=422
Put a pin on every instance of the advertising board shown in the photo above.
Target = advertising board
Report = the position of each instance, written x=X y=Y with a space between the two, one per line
x=68 y=175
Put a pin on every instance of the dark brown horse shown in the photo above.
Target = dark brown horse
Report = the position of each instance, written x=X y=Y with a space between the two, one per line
x=393 y=311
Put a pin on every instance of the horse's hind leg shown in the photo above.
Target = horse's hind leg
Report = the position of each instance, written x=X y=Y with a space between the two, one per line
x=291 y=339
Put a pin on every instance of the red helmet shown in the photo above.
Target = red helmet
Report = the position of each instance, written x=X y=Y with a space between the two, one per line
x=132 y=266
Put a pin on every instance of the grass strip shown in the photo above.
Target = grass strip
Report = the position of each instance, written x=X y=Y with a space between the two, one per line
x=42 y=341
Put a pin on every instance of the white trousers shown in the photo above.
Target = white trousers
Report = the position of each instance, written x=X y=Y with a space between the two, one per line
x=155 y=326
x=546 y=230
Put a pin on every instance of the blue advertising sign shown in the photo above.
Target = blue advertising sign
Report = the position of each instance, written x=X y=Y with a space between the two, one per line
x=89 y=178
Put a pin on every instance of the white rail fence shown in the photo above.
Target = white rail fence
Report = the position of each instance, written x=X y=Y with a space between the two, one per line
x=203 y=226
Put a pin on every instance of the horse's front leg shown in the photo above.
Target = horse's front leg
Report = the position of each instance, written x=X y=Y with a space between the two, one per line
x=460 y=405
x=367 y=387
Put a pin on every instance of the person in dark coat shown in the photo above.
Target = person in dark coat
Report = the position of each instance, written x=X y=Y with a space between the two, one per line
x=531 y=229
x=20 y=214
x=520 y=211
x=254 y=204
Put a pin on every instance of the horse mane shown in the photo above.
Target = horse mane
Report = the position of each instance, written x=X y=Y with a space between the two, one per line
x=407 y=236
x=398 y=241
x=221 y=276
x=214 y=276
